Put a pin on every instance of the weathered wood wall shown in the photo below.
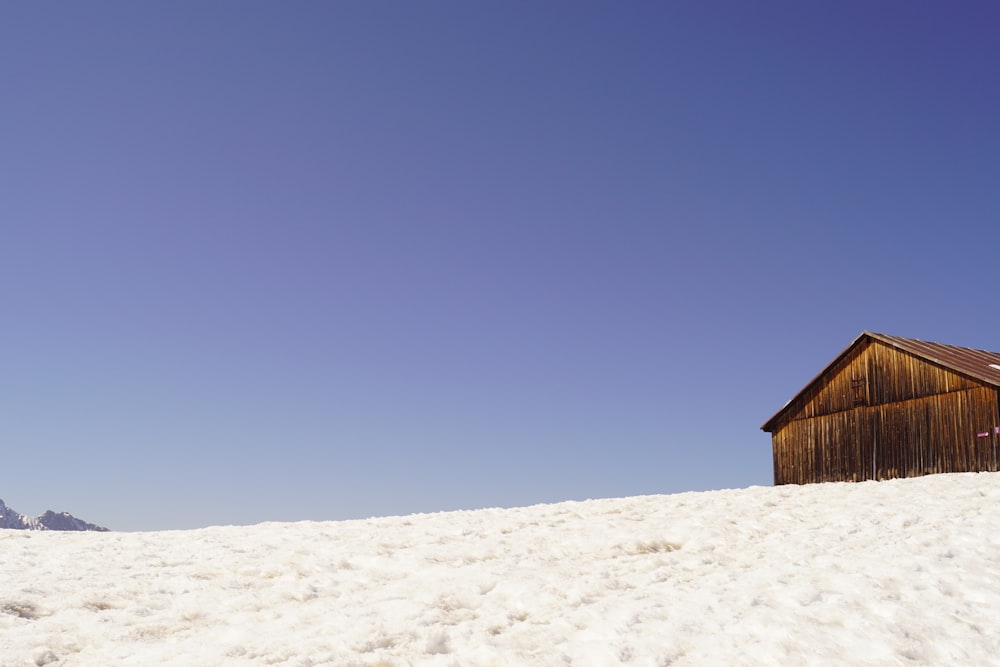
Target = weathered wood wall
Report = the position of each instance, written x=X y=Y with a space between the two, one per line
x=883 y=413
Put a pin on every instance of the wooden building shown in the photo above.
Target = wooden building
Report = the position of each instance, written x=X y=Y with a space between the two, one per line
x=891 y=407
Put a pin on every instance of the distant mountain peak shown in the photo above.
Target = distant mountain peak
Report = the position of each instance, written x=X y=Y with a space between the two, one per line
x=48 y=521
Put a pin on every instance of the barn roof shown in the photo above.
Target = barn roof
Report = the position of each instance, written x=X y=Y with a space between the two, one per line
x=976 y=364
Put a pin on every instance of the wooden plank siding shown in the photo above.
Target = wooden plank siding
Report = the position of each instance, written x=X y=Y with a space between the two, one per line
x=881 y=412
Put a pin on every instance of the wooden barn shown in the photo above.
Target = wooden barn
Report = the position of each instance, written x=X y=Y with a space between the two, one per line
x=891 y=407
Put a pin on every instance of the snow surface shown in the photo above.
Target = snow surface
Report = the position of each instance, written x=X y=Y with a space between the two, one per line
x=893 y=573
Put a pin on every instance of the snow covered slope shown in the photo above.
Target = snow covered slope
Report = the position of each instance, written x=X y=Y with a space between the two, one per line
x=905 y=572
x=48 y=521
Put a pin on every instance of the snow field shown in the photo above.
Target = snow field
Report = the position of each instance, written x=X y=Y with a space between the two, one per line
x=905 y=572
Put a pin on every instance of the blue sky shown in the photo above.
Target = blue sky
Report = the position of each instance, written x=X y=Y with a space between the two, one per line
x=328 y=260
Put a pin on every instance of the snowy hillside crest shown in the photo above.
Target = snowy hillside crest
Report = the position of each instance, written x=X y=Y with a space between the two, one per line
x=48 y=521
x=901 y=572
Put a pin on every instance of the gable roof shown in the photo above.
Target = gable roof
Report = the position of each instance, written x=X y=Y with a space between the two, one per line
x=976 y=364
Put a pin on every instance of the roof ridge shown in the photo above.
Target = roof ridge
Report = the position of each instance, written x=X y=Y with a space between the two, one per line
x=931 y=342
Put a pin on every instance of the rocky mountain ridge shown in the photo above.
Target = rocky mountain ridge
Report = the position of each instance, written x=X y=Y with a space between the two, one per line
x=48 y=521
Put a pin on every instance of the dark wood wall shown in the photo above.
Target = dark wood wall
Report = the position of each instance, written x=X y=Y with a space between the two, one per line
x=883 y=413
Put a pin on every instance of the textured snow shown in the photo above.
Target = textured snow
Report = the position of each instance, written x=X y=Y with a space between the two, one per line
x=905 y=572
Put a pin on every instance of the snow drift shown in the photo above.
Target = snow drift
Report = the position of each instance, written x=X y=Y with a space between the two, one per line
x=902 y=572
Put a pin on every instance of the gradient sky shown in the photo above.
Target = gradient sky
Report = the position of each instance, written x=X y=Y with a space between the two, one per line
x=328 y=260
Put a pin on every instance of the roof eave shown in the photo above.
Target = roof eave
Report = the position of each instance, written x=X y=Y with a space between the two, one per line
x=768 y=426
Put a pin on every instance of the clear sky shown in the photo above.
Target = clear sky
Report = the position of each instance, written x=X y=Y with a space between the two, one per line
x=327 y=260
